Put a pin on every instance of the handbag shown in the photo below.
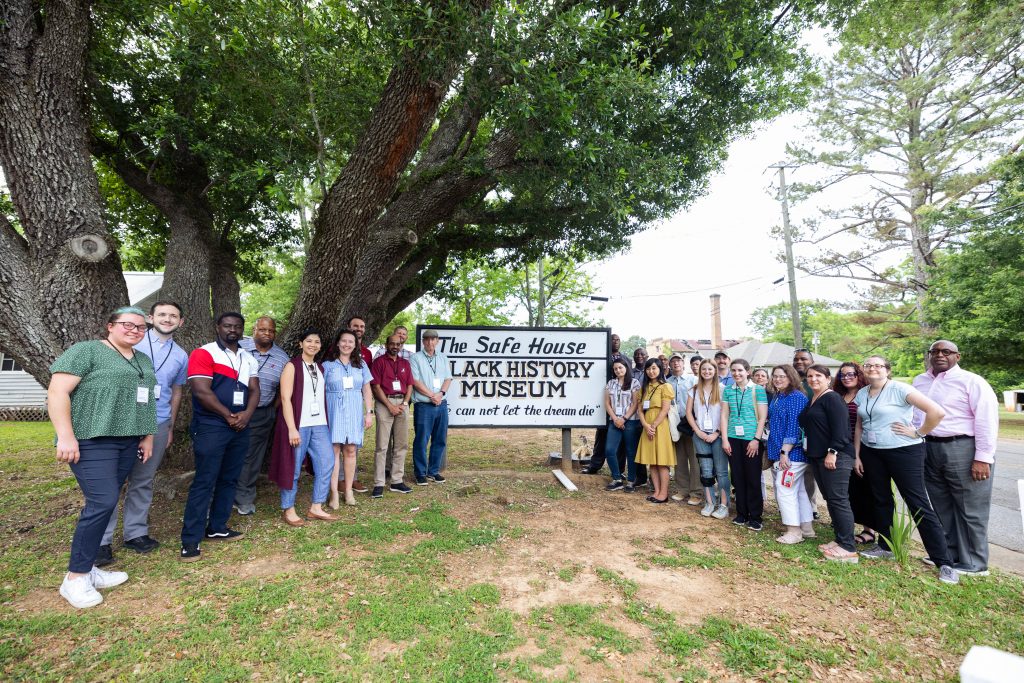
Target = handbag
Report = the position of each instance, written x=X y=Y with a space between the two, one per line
x=673 y=421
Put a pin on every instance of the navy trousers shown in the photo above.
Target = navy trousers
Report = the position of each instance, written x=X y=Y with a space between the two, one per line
x=220 y=453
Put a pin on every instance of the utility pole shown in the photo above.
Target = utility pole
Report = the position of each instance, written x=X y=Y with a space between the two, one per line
x=794 y=304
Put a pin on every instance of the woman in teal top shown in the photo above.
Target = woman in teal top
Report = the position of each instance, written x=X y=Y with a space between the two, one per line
x=744 y=411
x=101 y=403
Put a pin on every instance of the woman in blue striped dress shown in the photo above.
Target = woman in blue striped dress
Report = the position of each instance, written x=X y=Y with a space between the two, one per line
x=349 y=408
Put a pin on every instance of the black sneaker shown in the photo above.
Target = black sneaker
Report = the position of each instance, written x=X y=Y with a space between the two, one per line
x=739 y=520
x=588 y=470
x=754 y=526
x=615 y=485
x=189 y=552
x=142 y=544
x=104 y=556
x=226 y=535
x=422 y=481
x=400 y=487
x=378 y=492
x=436 y=478
x=628 y=488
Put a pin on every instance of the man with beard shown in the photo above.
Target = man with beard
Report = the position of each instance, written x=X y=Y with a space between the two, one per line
x=722 y=361
x=270 y=362
x=225 y=394
x=597 y=457
x=170 y=363
x=960 y=455
x=358 y=326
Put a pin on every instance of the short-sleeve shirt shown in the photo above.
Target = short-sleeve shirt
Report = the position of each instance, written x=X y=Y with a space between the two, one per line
x=387 y=370
x=228 y=372
x=428 y=368
x=705 y=413
x=621 y=399
x=743 y=409
x=783 y=426
x=105 y=402
x=269 y=367
x=170 y=363
x=878 y=414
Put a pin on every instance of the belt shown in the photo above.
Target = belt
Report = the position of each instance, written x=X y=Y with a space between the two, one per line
x=396 y=395
x=946 y=439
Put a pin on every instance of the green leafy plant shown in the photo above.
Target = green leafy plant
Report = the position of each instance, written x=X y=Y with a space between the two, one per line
x=901 y=531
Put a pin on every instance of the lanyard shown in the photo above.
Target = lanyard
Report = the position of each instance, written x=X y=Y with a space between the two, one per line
x=432 y=362
x=870 y=407
x=134 y=362
x=238 y=370
x=314 y=378
x=739 y=406
x=651 y=395
x=256 y=354
x=152 y=353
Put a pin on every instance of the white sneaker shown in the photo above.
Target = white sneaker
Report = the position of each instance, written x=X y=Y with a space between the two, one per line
x=707 y=509
x=79 y=592
x=678 y=497
x=721 y=512
x=101 y=578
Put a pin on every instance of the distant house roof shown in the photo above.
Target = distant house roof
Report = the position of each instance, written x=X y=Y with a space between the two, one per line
x=767 y=354
x=690 y=346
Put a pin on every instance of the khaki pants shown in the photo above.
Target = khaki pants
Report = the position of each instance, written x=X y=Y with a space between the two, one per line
x=687 y=474
x=393 y=429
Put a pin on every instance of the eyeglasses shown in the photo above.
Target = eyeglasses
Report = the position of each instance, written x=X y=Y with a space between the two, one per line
x=131 y=327
x=942 y=352
x=873 y=366
x=850 y=375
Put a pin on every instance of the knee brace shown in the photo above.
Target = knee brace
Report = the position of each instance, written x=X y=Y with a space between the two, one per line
x=707 y=482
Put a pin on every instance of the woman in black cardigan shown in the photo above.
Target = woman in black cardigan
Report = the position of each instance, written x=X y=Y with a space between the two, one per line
x=826 y=425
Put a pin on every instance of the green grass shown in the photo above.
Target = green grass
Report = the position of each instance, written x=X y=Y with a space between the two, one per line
x=374 y=597
x=1011 y=425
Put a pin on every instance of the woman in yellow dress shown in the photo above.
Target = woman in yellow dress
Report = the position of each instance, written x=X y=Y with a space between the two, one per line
x=656 y=449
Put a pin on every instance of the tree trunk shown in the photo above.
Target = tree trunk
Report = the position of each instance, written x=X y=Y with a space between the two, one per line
x=225 y=291
x=63 y=276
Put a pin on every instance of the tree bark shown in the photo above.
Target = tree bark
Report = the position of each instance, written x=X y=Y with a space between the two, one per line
x=63 y=276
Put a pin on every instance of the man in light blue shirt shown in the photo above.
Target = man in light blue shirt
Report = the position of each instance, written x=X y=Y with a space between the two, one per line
x=170 y=362
x=432 y=375
x=687 y=472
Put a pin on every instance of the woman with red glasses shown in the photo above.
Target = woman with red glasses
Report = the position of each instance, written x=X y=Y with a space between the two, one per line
x=102 y=406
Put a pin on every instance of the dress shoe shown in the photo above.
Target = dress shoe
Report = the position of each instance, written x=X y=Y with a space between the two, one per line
x=322 y=516
x=292 y=522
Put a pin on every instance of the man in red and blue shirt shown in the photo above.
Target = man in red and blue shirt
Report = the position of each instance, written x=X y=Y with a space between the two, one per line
x=225 y=393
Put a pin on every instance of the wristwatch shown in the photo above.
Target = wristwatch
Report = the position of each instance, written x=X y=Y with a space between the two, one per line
x=831 y=451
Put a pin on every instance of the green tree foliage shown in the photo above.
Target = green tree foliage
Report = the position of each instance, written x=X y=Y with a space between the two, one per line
x=276 y=295
x=977 y=296
x=921 y=99
x=631 y=344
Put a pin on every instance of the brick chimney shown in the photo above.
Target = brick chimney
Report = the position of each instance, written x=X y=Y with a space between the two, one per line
x=716 y=321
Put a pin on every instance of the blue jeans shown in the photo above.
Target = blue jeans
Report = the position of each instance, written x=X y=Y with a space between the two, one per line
x=220 y=453
x=714 y=466
x=629 y=435
x=429 y=422
x=317 y=442
x=102 y=467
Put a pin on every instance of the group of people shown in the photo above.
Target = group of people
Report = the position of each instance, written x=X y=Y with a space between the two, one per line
x=850 y=437
x=114 y=401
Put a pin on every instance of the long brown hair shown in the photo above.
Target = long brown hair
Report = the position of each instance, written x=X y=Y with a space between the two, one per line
x=837 y=383
x=792 y=375
x=716 y=386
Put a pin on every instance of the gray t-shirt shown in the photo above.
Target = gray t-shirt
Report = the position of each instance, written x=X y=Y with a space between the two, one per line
x=879 y=413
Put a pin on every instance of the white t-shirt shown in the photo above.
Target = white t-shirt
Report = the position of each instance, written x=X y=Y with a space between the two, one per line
x=313 y=400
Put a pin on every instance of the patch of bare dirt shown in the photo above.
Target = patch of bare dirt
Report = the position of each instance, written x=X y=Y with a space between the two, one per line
x=262 y=567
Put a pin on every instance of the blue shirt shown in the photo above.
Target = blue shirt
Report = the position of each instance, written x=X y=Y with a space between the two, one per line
x=879 y=413
x=726 y=381
x=170 y=362
x=426 y=369
x=783 y=427
x=269 y=366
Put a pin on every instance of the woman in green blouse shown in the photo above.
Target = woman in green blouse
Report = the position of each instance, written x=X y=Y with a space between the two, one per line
x=103 y=409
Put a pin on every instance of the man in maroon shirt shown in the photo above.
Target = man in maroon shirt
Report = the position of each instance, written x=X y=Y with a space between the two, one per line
x=392 y=390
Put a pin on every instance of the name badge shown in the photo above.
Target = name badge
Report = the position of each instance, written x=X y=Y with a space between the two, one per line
x=647 y=405
x=396 y=385
x=705 y=424
x=238 y=398
x=156 y=391
x=348 y=382
x=437 y=384
x=804 y=443
x=869 y=436
x=620 y=411
x=738 y=430
x=314 y=407
x=142 y=395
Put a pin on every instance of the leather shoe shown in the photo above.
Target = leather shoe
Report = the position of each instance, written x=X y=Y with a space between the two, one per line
x=323 y=516
x=292 y=522
x=104 y=556
x=142 y=544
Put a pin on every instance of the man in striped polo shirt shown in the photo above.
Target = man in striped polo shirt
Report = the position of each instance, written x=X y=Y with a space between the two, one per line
x=225 y=393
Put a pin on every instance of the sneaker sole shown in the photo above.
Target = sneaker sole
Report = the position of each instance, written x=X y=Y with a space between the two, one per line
x=845 y=560
x=377 y=496
x=224 y=538
x=191 y=559
x=84 y=605
x=399 y=491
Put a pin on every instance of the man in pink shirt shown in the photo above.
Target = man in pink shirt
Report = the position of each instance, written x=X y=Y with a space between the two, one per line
x=961 y=455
